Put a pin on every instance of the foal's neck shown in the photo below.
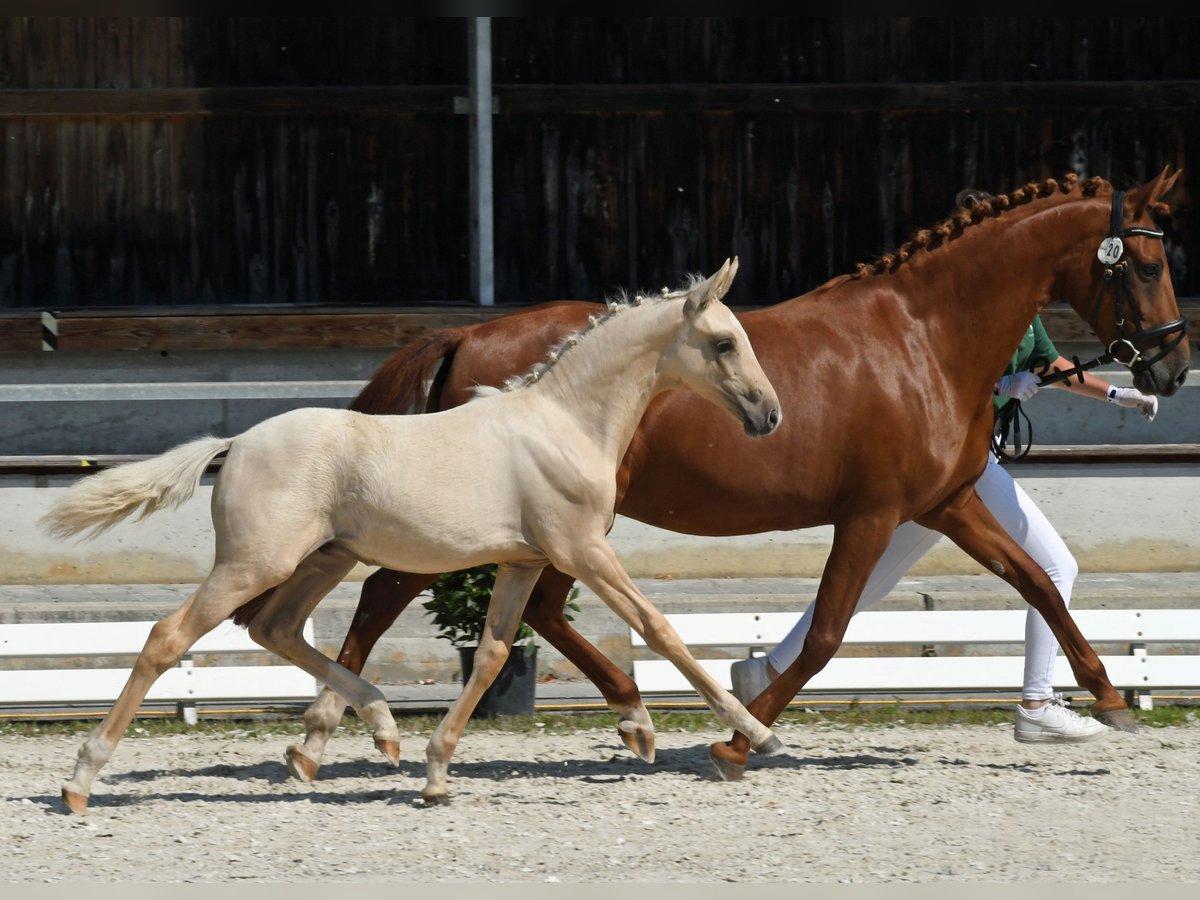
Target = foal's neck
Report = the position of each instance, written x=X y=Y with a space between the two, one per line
x=606 y=382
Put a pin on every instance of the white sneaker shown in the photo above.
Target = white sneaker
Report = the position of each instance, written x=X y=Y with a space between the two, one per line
x=750 y=678
x=1057 y=725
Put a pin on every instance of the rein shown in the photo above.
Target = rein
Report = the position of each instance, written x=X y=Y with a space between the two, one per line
x=1116 y=275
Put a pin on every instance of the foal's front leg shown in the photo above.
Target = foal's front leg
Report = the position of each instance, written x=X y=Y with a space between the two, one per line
x=597 y=566
x=513 y=584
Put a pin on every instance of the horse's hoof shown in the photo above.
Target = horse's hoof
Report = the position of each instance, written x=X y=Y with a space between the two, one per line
x=639 y=741
x=725 y=764
x=435 y=799
x=1120 y=719
x=390 y=749
x=301 y=766
x=772 y=746
x=76 y=802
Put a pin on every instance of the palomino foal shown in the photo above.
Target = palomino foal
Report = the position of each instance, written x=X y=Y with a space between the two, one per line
x=523 y=477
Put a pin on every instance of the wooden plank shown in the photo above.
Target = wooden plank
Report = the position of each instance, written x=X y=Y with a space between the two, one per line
x=67 y=639
x=940 y=673
x=20 y=332
x=26 y=686
x=586 y=99
x=252 y=331
x=384 y=100
x=935 y=627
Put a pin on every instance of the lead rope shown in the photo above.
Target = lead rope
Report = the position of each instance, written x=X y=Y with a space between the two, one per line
x=1008 y=419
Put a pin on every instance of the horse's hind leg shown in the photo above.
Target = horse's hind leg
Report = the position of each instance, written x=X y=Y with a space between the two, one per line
x=544 y=613
x=385 y=594
x=973 y=527
x=279 y=627
x=225 y=589
x=857 y=546
x=513 y=584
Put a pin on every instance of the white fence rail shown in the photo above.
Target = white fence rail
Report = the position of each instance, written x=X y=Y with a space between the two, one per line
x=1139 y=671
x=186 y=684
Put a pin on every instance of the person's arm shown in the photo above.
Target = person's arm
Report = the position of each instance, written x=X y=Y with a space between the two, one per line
x=1099 y=389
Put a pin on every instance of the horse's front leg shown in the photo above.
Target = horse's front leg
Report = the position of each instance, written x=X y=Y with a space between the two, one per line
x=385 y=594
x=544 y=613
x=857 y=546
x=513 y=584
x=971 y=525
x=596 y=565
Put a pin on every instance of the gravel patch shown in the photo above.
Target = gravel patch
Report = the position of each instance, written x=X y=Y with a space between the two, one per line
x=862 y=804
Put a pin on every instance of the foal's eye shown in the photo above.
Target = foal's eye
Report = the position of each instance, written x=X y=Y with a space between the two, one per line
x=725 y=345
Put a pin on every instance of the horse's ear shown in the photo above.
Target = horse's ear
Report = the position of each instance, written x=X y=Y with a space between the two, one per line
x=714 y=288
x=1151 y=193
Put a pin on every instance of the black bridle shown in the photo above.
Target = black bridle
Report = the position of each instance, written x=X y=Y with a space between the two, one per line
x=1111 y=254
x=1116 y=274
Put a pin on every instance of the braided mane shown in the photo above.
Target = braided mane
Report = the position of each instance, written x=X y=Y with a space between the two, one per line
x=976 y=207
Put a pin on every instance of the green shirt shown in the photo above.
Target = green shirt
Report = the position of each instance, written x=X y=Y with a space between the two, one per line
x=1035 y=351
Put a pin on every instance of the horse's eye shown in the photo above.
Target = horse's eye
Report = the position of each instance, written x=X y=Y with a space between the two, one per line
x=1152 y=271
x=725 y=345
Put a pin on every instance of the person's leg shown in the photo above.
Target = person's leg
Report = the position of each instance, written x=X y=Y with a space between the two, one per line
x=1039 y=717
x=1027 y=524
x=910 y=542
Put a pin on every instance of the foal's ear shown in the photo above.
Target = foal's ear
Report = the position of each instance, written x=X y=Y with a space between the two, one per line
x=714 y=288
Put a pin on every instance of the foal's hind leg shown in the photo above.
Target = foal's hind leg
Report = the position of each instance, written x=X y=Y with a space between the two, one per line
x=385 y=594
x=597 y=566
x=226 y=588
x=973 y=527
x=279 y=627
x=513 y=584
x=544 y=614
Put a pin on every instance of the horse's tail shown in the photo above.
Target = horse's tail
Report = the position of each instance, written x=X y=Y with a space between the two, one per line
x=411 y=379
x=102 y=500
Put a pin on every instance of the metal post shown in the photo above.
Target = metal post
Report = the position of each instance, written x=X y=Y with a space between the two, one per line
x=479 y=130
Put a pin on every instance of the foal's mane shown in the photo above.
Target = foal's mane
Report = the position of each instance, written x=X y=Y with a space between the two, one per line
x=617 y=304
x=975 y=208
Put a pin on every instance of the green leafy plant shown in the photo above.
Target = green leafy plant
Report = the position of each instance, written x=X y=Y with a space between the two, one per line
x=459 y=603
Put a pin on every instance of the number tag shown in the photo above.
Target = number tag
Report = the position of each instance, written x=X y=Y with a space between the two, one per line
x=1110 y=250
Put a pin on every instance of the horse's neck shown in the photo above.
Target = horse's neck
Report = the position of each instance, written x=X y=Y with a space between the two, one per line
x=981 y=295
x=605 y=383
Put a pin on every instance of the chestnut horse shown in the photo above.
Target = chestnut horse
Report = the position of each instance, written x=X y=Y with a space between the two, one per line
x=888 y=416
x=523 y=477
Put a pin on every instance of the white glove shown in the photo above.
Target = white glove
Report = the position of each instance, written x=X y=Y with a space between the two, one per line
x=1132 y=398
x=1019 y=385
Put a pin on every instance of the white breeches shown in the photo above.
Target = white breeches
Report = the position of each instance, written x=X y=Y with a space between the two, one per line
x=1024 y=522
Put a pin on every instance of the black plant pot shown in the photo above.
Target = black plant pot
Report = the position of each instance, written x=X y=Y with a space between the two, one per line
x=512 y=693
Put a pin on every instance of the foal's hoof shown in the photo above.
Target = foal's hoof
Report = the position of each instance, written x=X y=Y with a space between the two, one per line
x=390 y=749
x=772 y=746
x=301 y=766
x=76 y=802
x=435 y=799
x=728 y=765
x=637 y=739
x=1120 y=719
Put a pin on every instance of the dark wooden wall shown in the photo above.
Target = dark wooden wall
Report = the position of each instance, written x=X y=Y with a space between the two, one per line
x=209 y=161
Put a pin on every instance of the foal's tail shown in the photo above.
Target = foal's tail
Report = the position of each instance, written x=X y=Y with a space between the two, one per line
x=411 y=379
x=102 y=500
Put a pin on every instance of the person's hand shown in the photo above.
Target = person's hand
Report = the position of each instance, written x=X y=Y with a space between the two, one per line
x=1018 y=385
x=1132 y=398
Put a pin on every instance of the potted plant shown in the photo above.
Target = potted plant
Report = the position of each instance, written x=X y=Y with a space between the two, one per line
x=458 y=606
